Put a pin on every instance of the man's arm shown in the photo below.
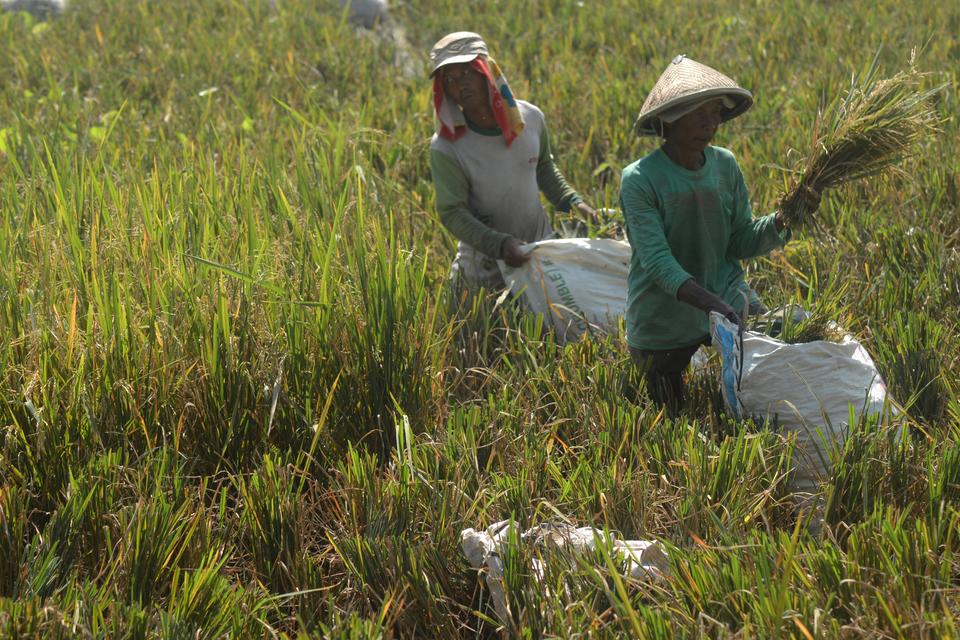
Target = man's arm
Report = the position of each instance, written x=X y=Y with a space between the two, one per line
x=696 y=296
x=554 y=186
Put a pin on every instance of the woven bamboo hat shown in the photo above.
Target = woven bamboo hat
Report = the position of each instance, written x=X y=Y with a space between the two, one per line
x=684 y=86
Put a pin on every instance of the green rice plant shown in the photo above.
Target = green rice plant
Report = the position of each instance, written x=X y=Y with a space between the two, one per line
x=468 y=448
x=92 y=610
x=943 y=476
x=353 y=625
x=899 y=569
x=394 y=341
x=735 y=483
x=760 y=584
x=382 y=562
x=32 y=618
x=120 y=620
x=76 y=536
x=877 y=124
x=58 y=547
x=819 y=326
x=158 y=537
x=204 y=602
x=524 y=602
x=43 y=548
x=415 y=579
x=911 y=354
x=829 y=570
x=40 y=444
x=230 y=419
x=13 y=536
x=43 y=572
x=275 y=535
x=720 y=487
x=484 y=324
x=878 y=464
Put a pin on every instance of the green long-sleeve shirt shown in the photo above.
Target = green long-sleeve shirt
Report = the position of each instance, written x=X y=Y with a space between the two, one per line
x=487 y=192
x=685 y=224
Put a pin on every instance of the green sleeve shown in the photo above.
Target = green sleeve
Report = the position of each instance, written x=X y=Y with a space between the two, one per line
x=549 y=179
x=750 y=236
x=452 y=190
x=645 y=231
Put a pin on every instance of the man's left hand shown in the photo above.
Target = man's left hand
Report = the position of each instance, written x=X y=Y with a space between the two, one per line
x=811 y=201
x=588 y=212
x=811 y=198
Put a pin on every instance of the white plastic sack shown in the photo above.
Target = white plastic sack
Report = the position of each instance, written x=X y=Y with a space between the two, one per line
x=39 y=9
x=809 y=388
x=646 y=559
x=366 y=13
x=578 y=285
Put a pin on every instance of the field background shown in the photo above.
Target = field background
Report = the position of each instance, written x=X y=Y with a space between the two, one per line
x=234 y=401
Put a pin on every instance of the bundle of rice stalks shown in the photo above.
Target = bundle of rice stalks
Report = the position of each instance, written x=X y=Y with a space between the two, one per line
x=794 y=325
x=874 y=127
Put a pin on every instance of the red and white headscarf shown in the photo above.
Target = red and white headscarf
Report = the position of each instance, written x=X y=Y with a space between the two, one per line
x=453 y=124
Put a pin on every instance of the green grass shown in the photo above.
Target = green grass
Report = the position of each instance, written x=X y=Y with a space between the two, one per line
x=235 y=400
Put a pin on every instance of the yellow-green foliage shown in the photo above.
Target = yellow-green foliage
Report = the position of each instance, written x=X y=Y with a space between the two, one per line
x=233 y=398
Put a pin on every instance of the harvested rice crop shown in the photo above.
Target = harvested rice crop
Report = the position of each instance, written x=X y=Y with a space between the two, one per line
x=871 y=129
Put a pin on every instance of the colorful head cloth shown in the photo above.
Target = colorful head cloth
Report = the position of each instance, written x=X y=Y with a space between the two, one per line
x=465 y=46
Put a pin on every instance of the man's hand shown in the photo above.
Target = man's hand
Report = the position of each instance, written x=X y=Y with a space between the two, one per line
x=811 y=201
x=588 y=212
x=696 y=296
x=811 y=198
x=733 y=317
x=512 y=252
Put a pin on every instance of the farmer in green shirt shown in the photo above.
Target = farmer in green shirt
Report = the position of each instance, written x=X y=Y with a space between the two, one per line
x=689 y=223
x=490 y=159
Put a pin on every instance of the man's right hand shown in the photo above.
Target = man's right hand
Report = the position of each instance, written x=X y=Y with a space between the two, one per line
x=733 y=317
x=513 y=253
x=693 y=294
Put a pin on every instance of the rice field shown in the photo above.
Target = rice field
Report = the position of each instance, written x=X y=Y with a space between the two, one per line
x=235 y=401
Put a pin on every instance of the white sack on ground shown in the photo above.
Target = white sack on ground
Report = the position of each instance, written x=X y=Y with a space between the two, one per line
x=809 y=388
x=40 y=9
x=577 y=284
x=645 y=559
x=366 y=13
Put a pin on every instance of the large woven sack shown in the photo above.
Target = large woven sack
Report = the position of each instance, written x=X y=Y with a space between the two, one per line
x=579 y=285
x=817 y=390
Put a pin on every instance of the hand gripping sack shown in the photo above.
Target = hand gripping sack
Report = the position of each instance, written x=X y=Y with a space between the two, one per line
x=579 y=285
x=812 y=389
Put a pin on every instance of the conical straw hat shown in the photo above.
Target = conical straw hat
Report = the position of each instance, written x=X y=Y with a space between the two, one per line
x=687 y=82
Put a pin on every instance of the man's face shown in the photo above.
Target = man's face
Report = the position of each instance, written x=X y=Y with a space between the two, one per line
x=466 y=86
x=695 y=130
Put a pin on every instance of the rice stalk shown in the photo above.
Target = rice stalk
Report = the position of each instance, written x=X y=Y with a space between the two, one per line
x=877 y=125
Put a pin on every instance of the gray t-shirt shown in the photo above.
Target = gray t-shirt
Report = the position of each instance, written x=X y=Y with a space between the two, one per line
x=488 y=192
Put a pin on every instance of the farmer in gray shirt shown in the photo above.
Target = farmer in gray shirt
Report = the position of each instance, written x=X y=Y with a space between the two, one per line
x=490 y=159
